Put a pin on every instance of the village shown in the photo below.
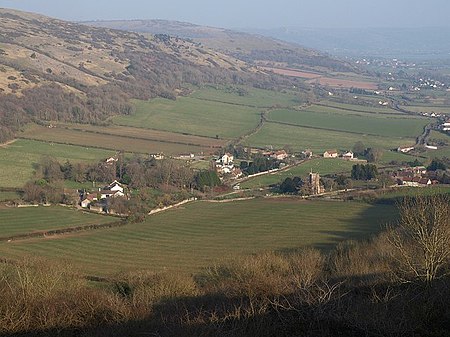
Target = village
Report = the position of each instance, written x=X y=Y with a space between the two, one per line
x=233 y=171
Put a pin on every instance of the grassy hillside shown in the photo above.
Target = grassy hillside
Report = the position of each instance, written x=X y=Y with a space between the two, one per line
x=193 y=116
x=352 y=122
x=201 y=234
x=300 y=138
x=247 y=47
x=18 y=159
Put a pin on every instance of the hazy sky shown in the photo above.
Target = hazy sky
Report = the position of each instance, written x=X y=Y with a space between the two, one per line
x=252 y=13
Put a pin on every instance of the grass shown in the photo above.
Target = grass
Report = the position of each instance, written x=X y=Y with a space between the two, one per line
x=352 y=122
x=152 y=135
x=18 y=158
x=193 y=116
x=321 y=166
x=255 y=97
x=300 y=138
x=427 y=108
x=442 y=151
x=15 y=221
x=377 y=109
x=201 y=234
x=414 y=191
x=107 y=141
x=389 y=156
x=6 y=196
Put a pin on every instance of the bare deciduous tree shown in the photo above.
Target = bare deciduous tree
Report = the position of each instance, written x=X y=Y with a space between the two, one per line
x=422 y=237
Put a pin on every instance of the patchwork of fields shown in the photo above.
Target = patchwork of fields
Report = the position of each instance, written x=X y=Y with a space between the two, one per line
x=200 y=234
x=103 y=139
x=210 y=118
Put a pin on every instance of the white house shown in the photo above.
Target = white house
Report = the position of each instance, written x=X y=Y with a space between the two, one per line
x=330 y=154
x=226 y=159
x=446 y=126
x=115 y=189
x=405 y=149
x=348 y=155
x=115 y=186
x=110 y=194
x=111 y=160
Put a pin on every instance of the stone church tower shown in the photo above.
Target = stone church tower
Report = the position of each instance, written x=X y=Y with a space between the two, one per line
x=314 y=183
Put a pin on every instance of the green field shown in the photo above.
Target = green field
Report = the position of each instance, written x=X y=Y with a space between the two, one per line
x=442 y=151
x=300 y=138
x=108 y=141
x=17 y=221
x=18 y=158
x=144 y=134
x=201 y=234
x=320 y=165
x=255 y=97
x=193 y=116
x=359 y=123
x=428 y=108
x=6 y=196
x=376 y=109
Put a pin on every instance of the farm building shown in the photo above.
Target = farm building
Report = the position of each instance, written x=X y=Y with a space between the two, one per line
x=414 y=181
x=405 y=149
x=446 y=126
x=88 y=199
x=330 y=154
x=157 y=156
x=279 y=155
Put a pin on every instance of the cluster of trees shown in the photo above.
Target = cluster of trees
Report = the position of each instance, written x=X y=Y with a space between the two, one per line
x=437 y=164
x=174 y=179
x=259 y=164
x=364 y=171
x=372 y=155
x=360 y=91
x=291 y=185
x=294 y=57
x=53 y=103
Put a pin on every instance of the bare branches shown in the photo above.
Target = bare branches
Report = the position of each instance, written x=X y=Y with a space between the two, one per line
x=422 y=237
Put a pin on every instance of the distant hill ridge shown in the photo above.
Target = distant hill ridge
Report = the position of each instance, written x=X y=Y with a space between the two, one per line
x=252 y=48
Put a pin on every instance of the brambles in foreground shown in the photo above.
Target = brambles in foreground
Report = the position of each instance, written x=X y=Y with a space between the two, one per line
x=350 y=291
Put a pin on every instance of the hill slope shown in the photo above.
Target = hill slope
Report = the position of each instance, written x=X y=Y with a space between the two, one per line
x=256 y=49
x=56 y=70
